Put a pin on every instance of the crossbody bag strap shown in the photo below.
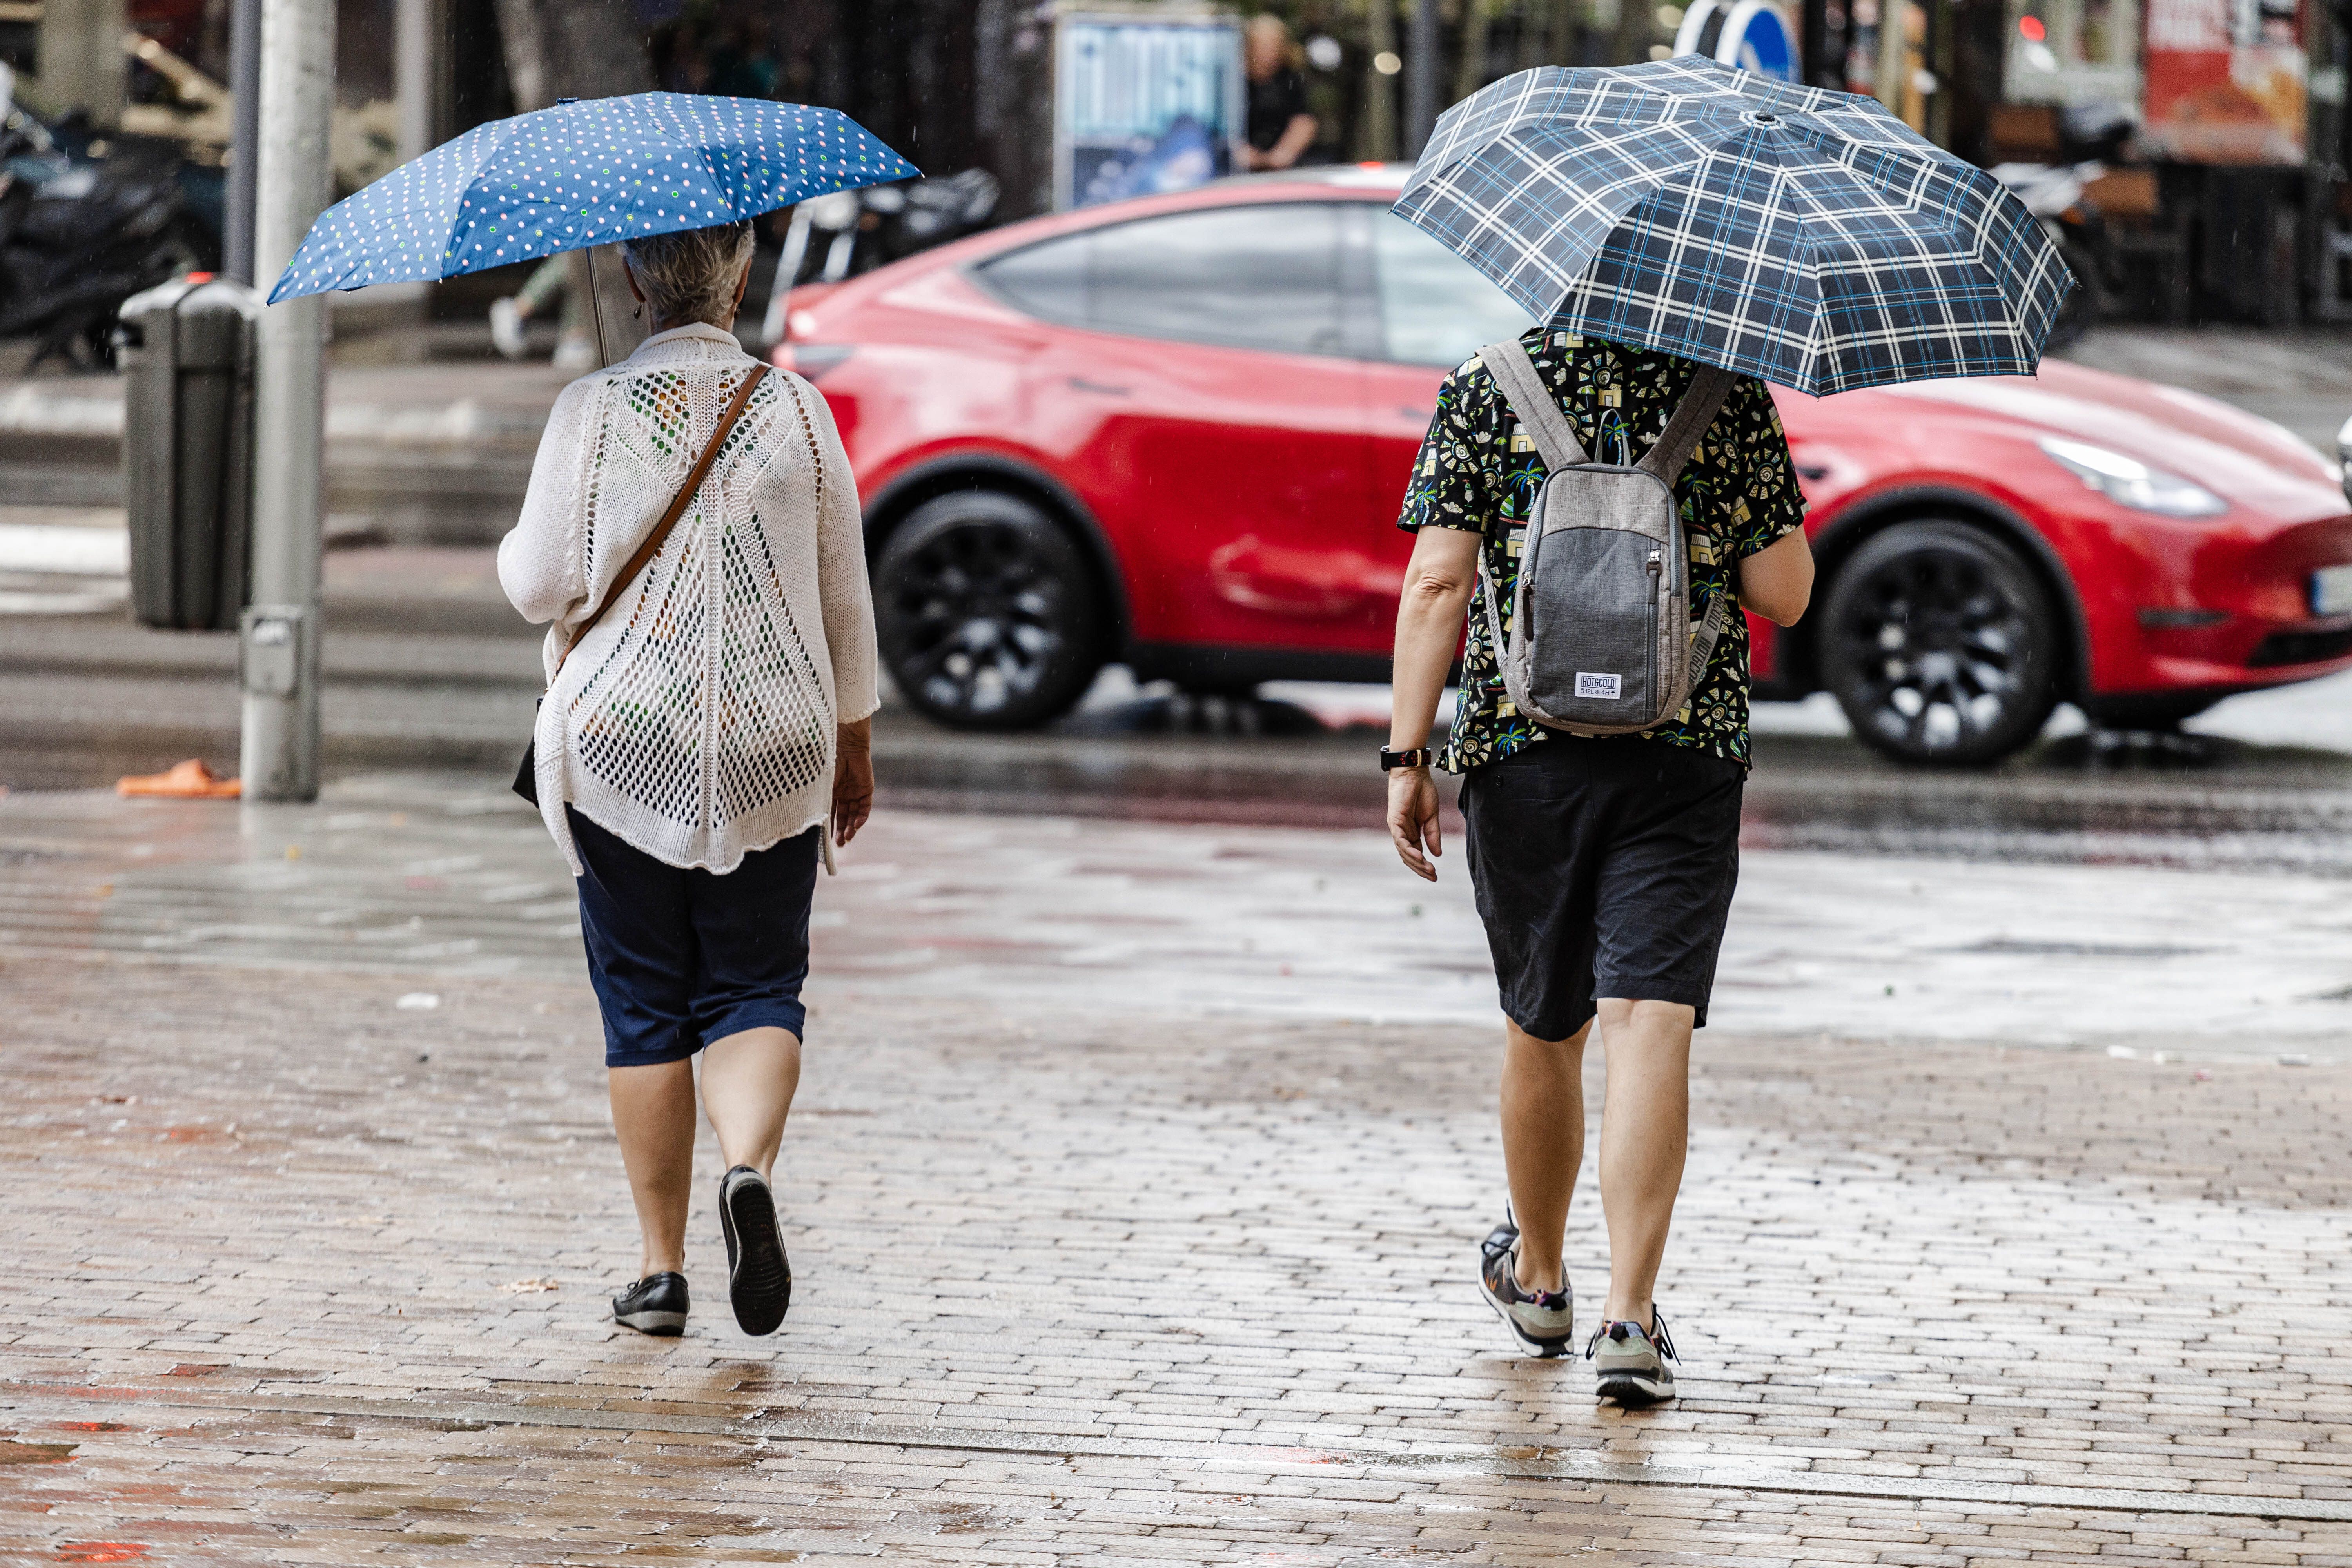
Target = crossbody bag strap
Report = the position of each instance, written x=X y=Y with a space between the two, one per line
x=677 y=505
x=1539 y=415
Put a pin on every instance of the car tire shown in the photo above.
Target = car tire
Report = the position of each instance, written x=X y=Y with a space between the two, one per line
x=989 y=615
x=1941 y=645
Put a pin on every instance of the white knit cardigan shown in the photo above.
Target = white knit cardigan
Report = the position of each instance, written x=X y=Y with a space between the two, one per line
x=697 y=719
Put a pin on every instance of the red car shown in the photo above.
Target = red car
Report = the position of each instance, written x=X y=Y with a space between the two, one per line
x=1175 y=432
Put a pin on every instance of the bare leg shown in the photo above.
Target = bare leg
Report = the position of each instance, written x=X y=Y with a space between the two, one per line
x=1543 y=1144
x=748 y=1082
x=653 y=1111
x=1645 y=1134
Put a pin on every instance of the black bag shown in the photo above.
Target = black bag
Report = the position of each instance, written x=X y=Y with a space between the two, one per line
x=526 y=780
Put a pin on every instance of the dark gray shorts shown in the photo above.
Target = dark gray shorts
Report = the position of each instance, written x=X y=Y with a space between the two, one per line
x=1604 y=867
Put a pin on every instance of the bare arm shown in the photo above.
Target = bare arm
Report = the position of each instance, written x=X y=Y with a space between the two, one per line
x=1437 y=584
x=853 y=779
x=1296 y=137
x=1777 y=582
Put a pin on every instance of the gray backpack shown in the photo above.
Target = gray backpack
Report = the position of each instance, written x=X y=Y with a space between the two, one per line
x=1602 y=641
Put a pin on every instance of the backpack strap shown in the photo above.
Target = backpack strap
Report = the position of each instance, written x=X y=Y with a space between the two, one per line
x=1539 y=411
x=1692 y=415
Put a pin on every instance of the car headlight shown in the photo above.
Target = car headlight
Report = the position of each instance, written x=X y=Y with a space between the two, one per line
x=2129 y=482
x=2344 y=455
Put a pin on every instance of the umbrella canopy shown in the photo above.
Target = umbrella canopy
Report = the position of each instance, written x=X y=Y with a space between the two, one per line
x=1806 y=237
x=586 y=171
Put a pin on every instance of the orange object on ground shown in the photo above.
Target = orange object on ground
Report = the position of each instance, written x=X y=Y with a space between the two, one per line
x=190 y=780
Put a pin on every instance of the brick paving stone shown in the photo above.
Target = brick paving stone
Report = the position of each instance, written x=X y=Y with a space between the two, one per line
x=1090 y=1286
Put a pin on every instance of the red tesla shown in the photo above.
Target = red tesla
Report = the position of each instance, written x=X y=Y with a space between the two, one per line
x=1175 y=432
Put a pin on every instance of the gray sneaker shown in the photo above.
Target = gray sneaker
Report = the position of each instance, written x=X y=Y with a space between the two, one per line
x=1543 y=1321
x=1633 y=1369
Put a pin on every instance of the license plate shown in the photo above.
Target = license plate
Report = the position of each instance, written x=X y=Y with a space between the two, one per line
x=2331 y=591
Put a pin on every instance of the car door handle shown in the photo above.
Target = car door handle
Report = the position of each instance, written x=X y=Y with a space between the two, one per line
x=1418 y=415
x=1080 y=384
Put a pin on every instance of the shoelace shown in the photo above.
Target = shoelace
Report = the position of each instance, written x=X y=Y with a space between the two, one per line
x=1660 y=1340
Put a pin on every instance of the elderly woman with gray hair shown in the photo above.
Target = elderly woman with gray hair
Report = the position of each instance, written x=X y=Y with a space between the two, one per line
x=692 y=533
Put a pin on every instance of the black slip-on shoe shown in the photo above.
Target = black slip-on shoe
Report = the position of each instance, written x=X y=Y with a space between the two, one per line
x=655 y=1304
x=758 y=1276
x=1543 y=1321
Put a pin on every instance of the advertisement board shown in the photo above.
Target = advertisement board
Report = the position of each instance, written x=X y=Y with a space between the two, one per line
x=1143 y=104
x=2226 y=81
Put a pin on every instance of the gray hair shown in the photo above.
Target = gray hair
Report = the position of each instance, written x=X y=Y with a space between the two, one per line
x=689 y=275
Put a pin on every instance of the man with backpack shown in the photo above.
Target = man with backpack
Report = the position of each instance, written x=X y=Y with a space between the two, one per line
x=1610 y=511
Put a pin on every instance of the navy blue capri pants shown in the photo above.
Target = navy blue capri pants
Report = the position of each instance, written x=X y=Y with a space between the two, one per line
x=681 y=958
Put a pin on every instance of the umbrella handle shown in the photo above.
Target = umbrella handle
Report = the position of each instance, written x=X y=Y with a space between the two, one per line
x=596 y=308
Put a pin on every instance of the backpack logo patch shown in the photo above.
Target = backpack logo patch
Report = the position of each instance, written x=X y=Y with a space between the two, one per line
x=1610 y=688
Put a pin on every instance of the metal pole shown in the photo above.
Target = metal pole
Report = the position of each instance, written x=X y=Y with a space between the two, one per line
x=411 y=74
x=1421 y=79
x=279 y=635
x=245 y=142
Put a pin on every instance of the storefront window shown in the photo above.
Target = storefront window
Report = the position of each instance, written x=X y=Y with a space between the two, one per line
x=2072 y=52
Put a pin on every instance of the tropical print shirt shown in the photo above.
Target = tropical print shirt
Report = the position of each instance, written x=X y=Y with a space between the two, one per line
x=1479 y=472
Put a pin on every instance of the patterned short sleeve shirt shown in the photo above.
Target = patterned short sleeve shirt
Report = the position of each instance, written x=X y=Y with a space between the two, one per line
x=1479 y=472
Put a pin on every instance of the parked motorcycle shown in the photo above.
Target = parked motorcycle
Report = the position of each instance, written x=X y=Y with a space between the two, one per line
x=85 y=223
x=2090 y=137
x=856 y=231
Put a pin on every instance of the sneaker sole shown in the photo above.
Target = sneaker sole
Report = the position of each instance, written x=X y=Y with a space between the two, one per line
x=666 y=1325
x=759 y=1286
x=1546 y=1349
x=1633 y=1391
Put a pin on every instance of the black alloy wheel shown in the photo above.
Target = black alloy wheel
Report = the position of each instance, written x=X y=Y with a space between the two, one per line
x=1941 y=645
x=988 y=613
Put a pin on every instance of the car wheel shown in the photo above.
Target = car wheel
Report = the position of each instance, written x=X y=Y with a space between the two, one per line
x=1941 y=645
x=988 y=613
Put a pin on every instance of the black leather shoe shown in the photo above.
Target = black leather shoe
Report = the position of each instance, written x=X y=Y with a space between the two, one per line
x=654 y=1305
x=758 y=1276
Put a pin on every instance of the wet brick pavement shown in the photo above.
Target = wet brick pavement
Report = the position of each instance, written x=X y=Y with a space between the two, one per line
x=301 y=1274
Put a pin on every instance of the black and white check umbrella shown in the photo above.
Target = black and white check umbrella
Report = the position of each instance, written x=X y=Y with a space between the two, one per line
x=1806 y=237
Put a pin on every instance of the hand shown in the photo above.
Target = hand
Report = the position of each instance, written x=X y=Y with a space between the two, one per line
x=1412 y=819
x=853 y=780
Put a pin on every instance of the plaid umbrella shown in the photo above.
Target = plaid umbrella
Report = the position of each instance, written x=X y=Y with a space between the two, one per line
x=1806 y=237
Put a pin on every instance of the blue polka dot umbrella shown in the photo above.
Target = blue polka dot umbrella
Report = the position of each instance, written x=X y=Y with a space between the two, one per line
x=1803 y=235
x=586 y=171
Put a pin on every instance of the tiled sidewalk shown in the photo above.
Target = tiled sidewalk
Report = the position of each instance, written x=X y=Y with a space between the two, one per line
x=300 y=1274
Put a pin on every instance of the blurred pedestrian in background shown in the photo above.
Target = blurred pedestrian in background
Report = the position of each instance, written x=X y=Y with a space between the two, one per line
x=1603 y=865
x=1280 y=128
x=695 y=743
x=549 y=284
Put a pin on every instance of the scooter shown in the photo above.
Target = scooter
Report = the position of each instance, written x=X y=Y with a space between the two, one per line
x=860 y=231
x=2053 y=194
x=83 y=227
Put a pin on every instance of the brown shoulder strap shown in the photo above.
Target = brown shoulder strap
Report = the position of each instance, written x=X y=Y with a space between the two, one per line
x=1692 y=415
x=677 y=505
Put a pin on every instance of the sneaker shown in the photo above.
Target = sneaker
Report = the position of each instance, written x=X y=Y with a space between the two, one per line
x=654 y=1305
x=1634 y=1369
x=758 y=1276
x=505 y=328
x=575 y=353
x=1544 y=1320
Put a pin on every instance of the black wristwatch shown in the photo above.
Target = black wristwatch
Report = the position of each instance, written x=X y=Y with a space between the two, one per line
x=1416 y=758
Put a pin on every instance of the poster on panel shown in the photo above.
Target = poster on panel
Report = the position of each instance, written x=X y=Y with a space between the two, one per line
x=1143 y=105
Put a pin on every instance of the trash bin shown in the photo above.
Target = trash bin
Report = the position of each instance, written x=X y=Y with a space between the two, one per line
x=186 y=350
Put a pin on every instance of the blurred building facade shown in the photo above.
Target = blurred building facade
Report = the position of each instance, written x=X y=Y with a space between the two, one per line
x=2227 y=199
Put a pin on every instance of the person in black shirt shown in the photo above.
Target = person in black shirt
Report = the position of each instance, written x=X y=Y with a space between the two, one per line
x=1280 y=128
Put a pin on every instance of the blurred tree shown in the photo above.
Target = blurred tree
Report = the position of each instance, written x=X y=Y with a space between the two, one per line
x=1376 y=137
x=1470 y=74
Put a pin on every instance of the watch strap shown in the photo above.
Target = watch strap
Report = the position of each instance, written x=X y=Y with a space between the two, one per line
x=1416 y=758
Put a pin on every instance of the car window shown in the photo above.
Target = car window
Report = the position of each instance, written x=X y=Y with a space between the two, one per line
x=1258 y=277
x=1436 y=307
